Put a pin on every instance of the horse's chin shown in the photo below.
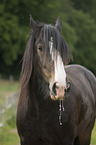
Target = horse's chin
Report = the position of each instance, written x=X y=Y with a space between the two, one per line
x=55 y=98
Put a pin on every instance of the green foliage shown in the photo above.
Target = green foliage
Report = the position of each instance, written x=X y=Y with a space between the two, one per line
x=79 y=27
x=85 y=28
x=11 y=34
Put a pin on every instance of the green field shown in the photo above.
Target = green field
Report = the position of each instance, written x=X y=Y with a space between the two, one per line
x=8 y=133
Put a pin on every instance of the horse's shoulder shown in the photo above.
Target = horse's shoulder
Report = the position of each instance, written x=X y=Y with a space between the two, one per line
x=81 y=77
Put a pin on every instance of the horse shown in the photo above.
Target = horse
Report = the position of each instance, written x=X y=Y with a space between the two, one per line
x=57 y=101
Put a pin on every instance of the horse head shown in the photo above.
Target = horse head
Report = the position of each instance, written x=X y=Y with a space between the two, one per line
x=49 y=51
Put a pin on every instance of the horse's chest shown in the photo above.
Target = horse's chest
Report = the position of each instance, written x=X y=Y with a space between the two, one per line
x=46 y=123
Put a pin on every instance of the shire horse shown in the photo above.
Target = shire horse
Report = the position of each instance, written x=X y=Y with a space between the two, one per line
x=57 y=102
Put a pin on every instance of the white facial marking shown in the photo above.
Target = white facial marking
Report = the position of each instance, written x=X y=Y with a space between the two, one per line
x=60 y=74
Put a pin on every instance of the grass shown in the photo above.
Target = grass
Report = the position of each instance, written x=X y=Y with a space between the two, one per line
x=6 y=89
x=8 y=134
x=93 y=138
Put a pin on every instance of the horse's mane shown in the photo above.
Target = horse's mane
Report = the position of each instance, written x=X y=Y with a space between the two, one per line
x=47 y=31
x=27 y=64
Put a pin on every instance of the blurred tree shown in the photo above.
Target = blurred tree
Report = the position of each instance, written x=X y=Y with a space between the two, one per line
x=85 y=47
x=88 y=6
x=11 y=35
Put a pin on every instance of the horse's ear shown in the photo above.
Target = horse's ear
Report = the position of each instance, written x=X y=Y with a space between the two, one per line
x=34 y=26
x=58 y=25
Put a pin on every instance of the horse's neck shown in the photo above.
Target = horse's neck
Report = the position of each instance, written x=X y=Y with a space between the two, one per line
x=38 y=87
x=37 y=92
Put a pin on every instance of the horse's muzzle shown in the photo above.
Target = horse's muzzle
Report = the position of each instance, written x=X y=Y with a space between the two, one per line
x=57 y=92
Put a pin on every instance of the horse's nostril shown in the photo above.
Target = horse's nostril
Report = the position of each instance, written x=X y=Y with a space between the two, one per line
x=54 y=88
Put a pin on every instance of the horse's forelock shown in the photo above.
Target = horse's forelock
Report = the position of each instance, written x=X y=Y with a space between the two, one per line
x=60 y=44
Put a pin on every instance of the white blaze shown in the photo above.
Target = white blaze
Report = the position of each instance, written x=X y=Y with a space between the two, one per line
x=60 y=74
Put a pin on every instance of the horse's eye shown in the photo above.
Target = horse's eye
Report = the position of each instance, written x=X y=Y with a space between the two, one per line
x=39 y=48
